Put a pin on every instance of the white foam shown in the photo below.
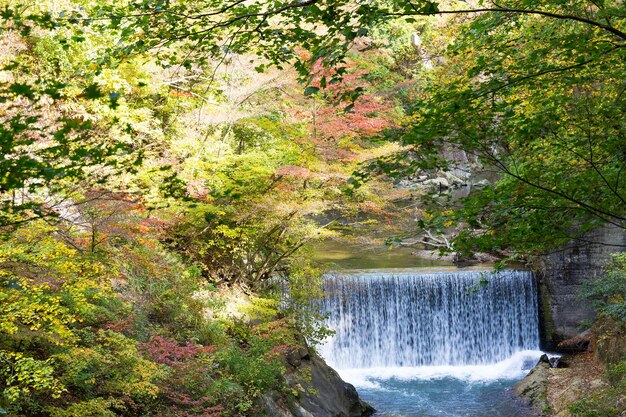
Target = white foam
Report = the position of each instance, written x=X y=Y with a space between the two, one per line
x=515 y=367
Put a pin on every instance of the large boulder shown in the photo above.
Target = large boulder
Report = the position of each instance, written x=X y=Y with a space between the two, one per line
x=319 y=391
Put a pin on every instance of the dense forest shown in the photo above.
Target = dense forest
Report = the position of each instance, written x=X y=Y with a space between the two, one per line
x=168 y=168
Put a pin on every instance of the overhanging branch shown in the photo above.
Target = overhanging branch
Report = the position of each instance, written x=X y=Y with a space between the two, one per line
x=553 y=15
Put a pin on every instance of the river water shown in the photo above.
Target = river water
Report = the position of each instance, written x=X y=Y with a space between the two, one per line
x=426 y=343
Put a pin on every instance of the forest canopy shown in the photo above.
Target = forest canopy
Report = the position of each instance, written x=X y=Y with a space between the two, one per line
x=532 y=91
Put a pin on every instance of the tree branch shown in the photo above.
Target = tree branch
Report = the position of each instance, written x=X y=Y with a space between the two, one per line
x=553 y=15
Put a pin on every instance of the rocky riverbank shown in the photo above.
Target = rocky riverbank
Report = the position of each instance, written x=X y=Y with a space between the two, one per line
x=588 y=382
x=550 y=391
x=311 y=388
x=318 y=391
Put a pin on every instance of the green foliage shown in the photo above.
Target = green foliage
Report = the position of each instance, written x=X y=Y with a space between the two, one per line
x=117 y=309
x=606 y=402
x=150 y=354
x=617 y=372
x=89 y=348
x=264 y=309
x=81 y=130
x=539 y=100
x=163 y=289
x=24 y=375
x=596 y=407
x=252 y=198
x=303 y=287
x=51 y=295
x=107 y=363
x=255 y=369
x=46 y=287
x=608 y=292
x=97 y=407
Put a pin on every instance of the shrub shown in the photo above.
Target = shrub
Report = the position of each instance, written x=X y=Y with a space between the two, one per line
x=609 y=291
x=609 y=296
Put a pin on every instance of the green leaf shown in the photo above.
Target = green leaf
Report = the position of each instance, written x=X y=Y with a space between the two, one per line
x=93 y=92
x=309 y=91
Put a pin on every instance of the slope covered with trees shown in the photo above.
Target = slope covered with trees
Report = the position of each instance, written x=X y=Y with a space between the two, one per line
x=142 y=201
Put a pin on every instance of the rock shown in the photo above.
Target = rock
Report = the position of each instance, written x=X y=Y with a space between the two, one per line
x=476 y=258
x=416 y=40
x=481 y=184
x=434 y=255
x=533 y=389
x=576 y=344
x=452 y=179
x=440 y=183
x=274 y=406
x=295 y=355
x=321 y=391
x=442 y=180
x=406 y=184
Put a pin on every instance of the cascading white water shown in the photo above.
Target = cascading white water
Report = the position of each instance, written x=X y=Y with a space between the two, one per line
x=412 y=319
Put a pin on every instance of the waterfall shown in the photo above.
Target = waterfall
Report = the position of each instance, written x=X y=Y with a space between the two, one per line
x=413 y=319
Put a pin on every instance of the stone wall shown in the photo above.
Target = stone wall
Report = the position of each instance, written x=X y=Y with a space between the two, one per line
x=561 y=275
